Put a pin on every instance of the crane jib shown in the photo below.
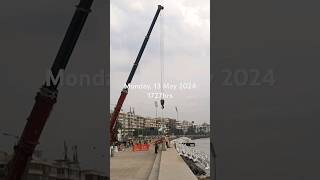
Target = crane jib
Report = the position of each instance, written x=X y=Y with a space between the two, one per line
x=143 y=46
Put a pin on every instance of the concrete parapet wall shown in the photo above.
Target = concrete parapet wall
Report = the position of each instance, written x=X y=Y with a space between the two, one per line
x=173 y=167
x=154 y=174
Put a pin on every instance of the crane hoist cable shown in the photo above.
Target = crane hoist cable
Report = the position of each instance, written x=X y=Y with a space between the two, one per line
x=161 y=27
x=161 y=56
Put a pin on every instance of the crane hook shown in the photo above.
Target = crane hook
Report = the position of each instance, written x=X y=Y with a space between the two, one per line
x=162 y=103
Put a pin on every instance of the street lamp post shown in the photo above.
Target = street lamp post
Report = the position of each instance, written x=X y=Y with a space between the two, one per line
x=177 y=113
x=156 y=106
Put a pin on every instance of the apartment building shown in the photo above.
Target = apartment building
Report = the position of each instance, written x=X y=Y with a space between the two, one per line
x=178 y=125
x=203 y=128
x=131 y=122
x=150 y=122
x=186 y=125
x=140 y=121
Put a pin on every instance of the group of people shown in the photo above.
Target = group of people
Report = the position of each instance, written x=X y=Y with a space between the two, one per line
x=164 y=141
x=158 y=141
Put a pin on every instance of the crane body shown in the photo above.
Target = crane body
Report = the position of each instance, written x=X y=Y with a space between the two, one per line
x=124 y=92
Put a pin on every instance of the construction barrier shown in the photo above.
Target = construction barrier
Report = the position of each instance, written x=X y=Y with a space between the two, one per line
x=141 y=147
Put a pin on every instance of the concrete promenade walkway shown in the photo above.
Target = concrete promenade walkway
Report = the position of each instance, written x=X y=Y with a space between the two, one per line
x=172 y=167
x=130 y=165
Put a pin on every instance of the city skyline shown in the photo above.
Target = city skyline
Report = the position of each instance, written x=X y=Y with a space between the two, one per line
x=130 y=124
x=153 y=114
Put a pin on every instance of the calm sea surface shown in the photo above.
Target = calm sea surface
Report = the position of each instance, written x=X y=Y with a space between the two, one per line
x=203 y=145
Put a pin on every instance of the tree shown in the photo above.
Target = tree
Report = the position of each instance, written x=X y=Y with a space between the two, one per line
x=191 y=131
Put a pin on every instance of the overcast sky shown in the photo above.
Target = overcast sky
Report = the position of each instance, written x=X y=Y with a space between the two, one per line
x=186 y=34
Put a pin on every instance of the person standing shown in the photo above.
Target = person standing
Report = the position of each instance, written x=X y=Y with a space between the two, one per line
x=167 y=141
x=111 y=151
x=156 y=147
x=163 y=142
